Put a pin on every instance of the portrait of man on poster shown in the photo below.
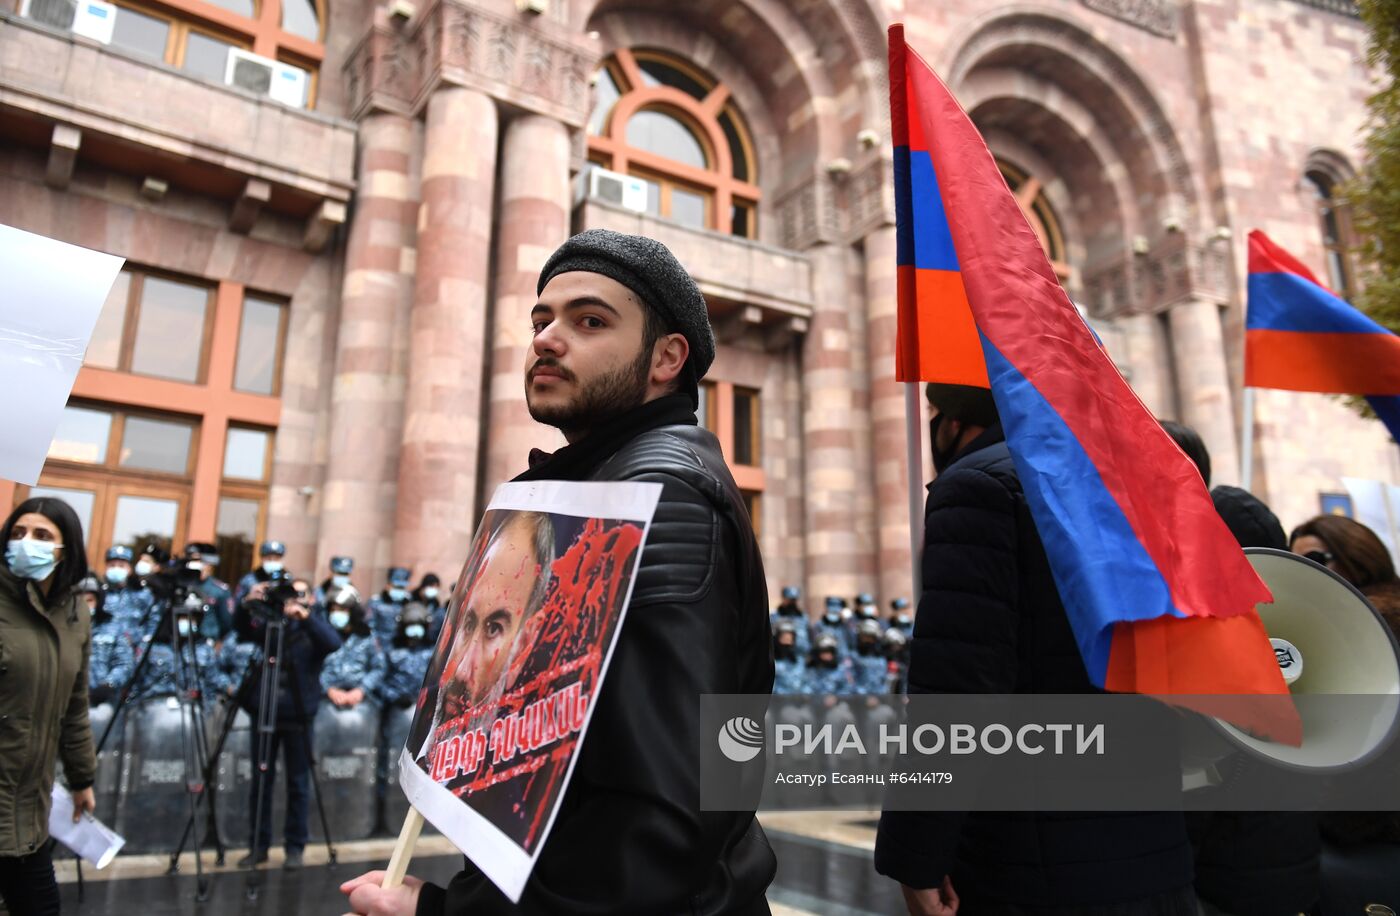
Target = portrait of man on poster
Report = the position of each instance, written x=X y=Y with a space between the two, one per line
x=492 y=625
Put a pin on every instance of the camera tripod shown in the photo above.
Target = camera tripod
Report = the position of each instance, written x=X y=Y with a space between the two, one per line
x=273 y=664
x=190 y=697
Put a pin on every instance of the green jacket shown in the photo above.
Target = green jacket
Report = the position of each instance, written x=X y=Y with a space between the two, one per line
x=43 y=707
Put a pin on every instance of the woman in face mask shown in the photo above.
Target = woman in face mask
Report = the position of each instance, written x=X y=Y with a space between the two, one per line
x=45 y=635
x=354 y=672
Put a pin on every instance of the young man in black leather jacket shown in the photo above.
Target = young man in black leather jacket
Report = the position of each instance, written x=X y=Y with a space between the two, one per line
x=622 y=339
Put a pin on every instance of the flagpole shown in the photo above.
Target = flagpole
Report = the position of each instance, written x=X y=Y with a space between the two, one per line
x=914 y=417
x=1247 y=441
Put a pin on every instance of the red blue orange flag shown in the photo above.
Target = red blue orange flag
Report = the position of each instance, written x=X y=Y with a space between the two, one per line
x=1159 y=595
x=1301 y=336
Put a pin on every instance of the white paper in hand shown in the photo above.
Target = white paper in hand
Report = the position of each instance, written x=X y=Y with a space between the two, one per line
x=50 y=296
x=89 y=837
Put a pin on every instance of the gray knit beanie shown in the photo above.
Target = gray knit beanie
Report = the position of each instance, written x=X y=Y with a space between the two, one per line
x=647 y=268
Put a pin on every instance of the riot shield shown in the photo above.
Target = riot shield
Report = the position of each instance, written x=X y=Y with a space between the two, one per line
x=155 y=800
x=347 y=747
x=396 y=723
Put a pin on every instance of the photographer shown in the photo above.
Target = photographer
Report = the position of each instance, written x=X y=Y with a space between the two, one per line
x=307 y=639
x=270 y=556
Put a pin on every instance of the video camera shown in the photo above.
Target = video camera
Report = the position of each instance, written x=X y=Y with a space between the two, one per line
x=280 y=590
x=174 y=583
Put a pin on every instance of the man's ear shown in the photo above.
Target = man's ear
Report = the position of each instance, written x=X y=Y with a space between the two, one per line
x=668 y=357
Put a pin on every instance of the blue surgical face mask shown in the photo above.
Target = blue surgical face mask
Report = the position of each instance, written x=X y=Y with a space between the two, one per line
x=272 y=566
x=144 y=568
x=116 y=575
x=183 y=626
x=340 y=581
x=340 y=619
x=414 y=631
x=430 y=592
x=398 y=594
x=31 y=559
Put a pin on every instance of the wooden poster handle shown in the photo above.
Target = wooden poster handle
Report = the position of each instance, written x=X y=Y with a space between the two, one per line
x=403 y=849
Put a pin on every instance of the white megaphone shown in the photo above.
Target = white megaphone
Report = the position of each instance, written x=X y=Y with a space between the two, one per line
x=1329 y=641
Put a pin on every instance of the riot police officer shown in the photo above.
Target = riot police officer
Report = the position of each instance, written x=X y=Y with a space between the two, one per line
x=355 y=671
x=832 y=623
x=111 y=658
x=870 y=668
x=790 y=610
x=407 y=660
x=789 y=663
x=896 y=646
x=341 y=568
x=218 y=597
x=170 y=651
x=429 y=594
x=126 y=600
x=386 y=607
x=901 y=616
x=828 y=670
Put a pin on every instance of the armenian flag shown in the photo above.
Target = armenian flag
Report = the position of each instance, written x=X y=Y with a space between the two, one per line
x=1159 y=595
x=1301 y=336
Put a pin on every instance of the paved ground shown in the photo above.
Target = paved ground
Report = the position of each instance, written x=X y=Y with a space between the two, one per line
x=823 y=868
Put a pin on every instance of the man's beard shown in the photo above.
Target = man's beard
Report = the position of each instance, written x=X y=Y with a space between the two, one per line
x=608 y=396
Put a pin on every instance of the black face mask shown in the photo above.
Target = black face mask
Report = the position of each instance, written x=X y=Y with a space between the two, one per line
x=941 y=459
x=784 y=650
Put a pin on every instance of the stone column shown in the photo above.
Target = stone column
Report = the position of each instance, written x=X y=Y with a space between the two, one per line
x=889 y=428
x=829 y=418
x=1203 y=384
x=438 y=459
x=357 y=511
x=533 y=221
x=1148 y=355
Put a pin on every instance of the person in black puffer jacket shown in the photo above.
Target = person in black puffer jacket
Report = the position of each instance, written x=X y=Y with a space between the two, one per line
x=990 y=621
x=621 y=340
x=1249 y=863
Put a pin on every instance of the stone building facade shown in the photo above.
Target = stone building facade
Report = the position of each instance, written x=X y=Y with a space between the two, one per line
x=323 y=327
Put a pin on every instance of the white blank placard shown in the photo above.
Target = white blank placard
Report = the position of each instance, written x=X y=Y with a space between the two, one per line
x=50 y=296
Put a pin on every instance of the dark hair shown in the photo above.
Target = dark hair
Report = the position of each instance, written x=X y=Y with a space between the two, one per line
x=540 y=527
x=1359 y=555
x=1189 y=441
x=72 y=565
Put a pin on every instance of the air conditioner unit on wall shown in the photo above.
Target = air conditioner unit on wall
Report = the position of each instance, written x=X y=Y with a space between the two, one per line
x=93 y=19
x=264 y=76
x=617 y=188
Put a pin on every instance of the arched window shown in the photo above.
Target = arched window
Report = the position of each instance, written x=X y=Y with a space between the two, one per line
x=1030 y=194
x=660 y=119
x=1335 y=222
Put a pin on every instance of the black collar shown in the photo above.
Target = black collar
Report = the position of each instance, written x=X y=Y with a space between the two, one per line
x=579 y=460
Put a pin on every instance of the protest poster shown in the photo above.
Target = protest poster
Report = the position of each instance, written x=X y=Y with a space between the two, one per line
x=524 y=648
